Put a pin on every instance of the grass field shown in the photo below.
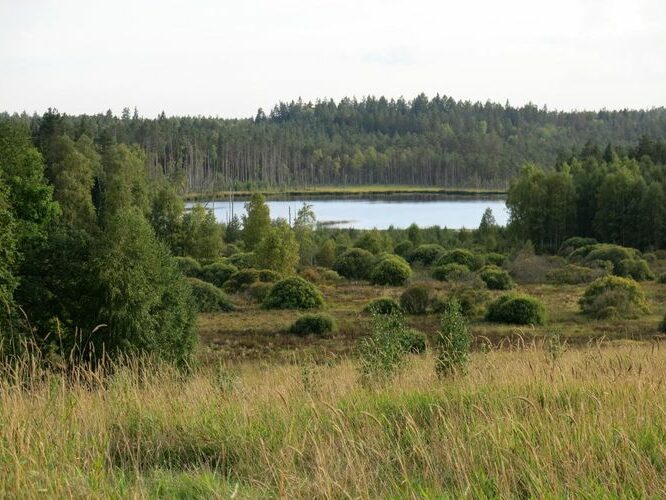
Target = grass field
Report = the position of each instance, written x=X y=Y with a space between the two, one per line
x=519 y=423
x=374 y=189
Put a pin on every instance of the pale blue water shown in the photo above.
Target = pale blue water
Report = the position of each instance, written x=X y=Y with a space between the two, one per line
x=454 y=212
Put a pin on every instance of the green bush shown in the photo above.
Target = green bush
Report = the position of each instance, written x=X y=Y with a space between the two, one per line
x=453 y=340
x=355 y=263
x=516 y=309
x=637 y=269
x=269 y=276
x=293 y=293
x=188 y=266
x=313 y=324
x=383 y=305
x=462 y=257
x=230 y=249
x=495 y=259
x=382 y=354
x=415 y=299
x=217 y=273
x=451 y=272
x=403 y=248
x=391 y=270
x=257 y=291
x=425 y=254
x=496 y=278
x=208 y=297
x=372 y=241
x=243 y=260
x=413 y=341
x=662 y=278
x=240 y=280
x=614 y=297
x=571 y=274
x=574 y=243
x=472 y=301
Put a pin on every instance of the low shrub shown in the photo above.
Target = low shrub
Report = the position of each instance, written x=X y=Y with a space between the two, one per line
x=614 y=297
x=391 y=270
x=240 y=280
x=496 y=278
x=382 y=354
x=269 y=276
x=373 y=241
x=472 y=301
x=413 y=341
x=516 y=309
x=425 y=254
x=574 y=243
x=257 y=291
x=383 y=305
x=415 y=299
x=494 y=259
x=293 y=293
x=242 y=260
x=662 y=278
x=453 y=340
x=188 y=266
x=462 y=257
x=571 y=274
x=613 y=253
x=208 y=297
x=451 y=272
x=230 y=249
x=637 y=269
x=313 y=324
x=217 y=273
x=403 y=248
x=354 y=263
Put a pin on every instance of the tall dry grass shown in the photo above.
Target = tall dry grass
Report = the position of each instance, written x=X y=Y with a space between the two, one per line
x=587 y=422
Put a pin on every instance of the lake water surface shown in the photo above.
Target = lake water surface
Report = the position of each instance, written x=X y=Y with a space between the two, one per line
x=380 y=211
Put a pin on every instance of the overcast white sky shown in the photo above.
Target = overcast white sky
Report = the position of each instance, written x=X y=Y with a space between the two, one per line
x=228 y=58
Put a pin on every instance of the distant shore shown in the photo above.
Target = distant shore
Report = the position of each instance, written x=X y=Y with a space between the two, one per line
x=345 y=190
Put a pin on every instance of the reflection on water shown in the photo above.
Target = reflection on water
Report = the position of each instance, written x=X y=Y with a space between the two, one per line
x=381 y=211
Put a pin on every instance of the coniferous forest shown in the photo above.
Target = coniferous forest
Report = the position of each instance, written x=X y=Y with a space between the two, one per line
x=422 y=141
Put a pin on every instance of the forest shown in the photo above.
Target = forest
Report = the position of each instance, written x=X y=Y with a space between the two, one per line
x=422 y=141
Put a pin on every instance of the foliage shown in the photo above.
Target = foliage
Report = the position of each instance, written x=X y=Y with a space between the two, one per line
x=574 y=243
x=451 y=272
x=494 y=259
x=614 y=297
x=403 y=248
x=453 y=340
x=373 y=241
x=313 y=324
x=240 y=279
x=8 y=257
x=391 y=270
x=304 y=226
x=516 y=309
x=166 y=213
x=122 y=181
x=496 y=278
x=637 y=269
x=242 y=260
x=217 y=273
x=256 y=222
x=200 y=234
x=571 y=274
x=355 y=263
x=293 y=293
x=326 y=255
x=278 y=250
x=382 y=354
x=462 y=257
x=413 y=341
x=233 y=231
x=425 y=254
x=258 y=290
x=208 y=297
x=188 y=266
x=662 y=278
x=415 y=299
x=383 y=305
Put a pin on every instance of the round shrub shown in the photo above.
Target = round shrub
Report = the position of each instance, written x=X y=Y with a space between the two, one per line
x=241 y=260
x=574 y=243
x=230 y=249
x=571 y=274
x=451 y=272
x=637 y=269
x=313 y=324
x=614 y=297
x=425 y=254
x=413 y=341
x=269 y=276
x=208 y=297
x=391 y=271
x=472 y=301
x=415 y=299
x=496 y=278
x=240 y=280
x=217 y=273
x=403 y=248
x=372 y=241
x=383 y=305
x=516 y=309
x=188 y=266
x=494 y=259
x=293 y=293
x=355 y=263
x=462 y=257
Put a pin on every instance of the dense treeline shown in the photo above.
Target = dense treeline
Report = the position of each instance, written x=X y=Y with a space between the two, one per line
x=438 y=141
x=614 y=198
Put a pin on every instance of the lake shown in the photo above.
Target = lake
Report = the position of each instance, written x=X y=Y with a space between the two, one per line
x=380 y=212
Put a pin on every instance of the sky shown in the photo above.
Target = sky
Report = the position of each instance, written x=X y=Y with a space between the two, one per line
x=228 y=58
